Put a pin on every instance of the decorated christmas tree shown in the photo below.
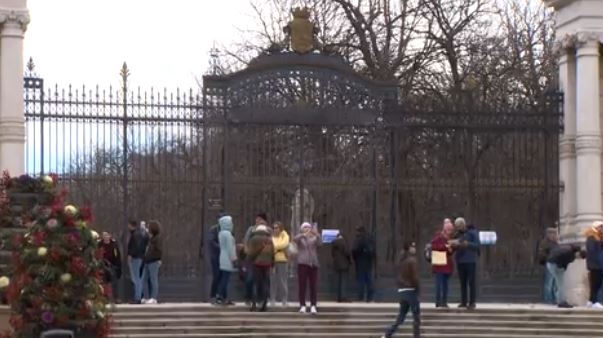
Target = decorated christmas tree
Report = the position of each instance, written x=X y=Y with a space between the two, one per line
x=55 y=276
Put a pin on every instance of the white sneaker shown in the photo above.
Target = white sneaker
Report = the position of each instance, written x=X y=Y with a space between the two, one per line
x=302 y=309
x=313 y=310
x=152 y=301
x=589 y=304
x=597 y=305
x=144 y=301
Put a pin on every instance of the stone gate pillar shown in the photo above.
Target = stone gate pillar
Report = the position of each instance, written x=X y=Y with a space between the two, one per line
x=579 y=26
x=14 y=18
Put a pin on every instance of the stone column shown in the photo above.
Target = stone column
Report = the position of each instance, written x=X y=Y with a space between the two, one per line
x=588 y=132
x=588 y=158
x=13 y=22
x=567 y=143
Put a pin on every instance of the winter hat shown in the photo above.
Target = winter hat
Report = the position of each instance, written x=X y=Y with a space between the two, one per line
x=305 y=225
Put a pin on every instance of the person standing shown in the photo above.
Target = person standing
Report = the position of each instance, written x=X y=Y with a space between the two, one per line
x=152 y=262
x=260 y=218
x=279 y=283
x=444 y=268
x=342 y=260
x=466 y=246
x=137 y=247
x=112 y=263
x=364 y=256
x=560 y=257
x=408 y=291
x=544 y=249
x=594 y=262
x=214 y=258
x=261 y=257
x=228 y=257
x=307 y=242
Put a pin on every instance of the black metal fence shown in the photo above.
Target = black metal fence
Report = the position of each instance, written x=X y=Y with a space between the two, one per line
x=301 y=137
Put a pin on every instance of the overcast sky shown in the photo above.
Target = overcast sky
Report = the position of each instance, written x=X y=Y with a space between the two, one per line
x=165 y=42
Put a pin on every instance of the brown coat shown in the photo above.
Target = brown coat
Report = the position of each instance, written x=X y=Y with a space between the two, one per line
x=408 y=276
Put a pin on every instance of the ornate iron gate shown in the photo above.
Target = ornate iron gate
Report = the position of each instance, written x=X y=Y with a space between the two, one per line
x=299 y=132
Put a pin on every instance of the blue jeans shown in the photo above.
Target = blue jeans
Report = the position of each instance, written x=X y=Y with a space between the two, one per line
x=557 y=274
x=215 y=277
x=550 y=287
x=365 y=283
x=467 y=278
x=135 y=264
x=249 y=283
x=151 y=274
x=442 y=288
x=409 y=300
x=222 y=291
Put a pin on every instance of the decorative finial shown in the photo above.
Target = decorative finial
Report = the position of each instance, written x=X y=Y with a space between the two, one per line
x=31 y=65
x=125 y=72
x=301 y=31
x=215 y=68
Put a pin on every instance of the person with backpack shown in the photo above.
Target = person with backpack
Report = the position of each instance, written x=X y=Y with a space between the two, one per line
x=342 y=260
x=441 y=262
x=261 y=257
x=560 y=257
x=363 y=254
x=544 y=249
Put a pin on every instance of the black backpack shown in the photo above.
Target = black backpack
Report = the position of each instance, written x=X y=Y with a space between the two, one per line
x=427 y=252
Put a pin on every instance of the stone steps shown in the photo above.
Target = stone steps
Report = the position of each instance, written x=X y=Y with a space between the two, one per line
x=352 y=320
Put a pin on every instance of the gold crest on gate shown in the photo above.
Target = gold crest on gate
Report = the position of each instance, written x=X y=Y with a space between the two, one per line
x=301 y=31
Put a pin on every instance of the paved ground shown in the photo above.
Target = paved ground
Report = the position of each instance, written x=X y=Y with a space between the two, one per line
x=483 y=306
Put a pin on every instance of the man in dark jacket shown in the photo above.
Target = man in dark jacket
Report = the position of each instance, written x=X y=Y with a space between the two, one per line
x=408 y=289
x=560 y=257
x=364 y=256
x=111 y=262
x=341 y=264
x=544 y=249
x=466 y=246
x=137 y=247
x=213 y=246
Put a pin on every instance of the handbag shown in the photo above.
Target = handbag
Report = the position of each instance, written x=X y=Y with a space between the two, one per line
x=291 y=249
x=439 y=258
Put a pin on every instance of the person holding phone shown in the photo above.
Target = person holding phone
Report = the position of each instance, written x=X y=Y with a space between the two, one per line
x=308 y=241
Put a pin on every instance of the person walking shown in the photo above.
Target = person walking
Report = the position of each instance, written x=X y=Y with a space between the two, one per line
x=213 y=246
x=260 y=218
x=408 y=291
x=279 y=283
x=111 y=262
x=545 y=246
x=442 y=266
x=228 y=258
x=307 y=242
x=594 y=262
x=466 y=246
x=261 y=257
x=342 y=260
x=364 y=256
x=137 y=246
x=560 y=257
x=152 y=262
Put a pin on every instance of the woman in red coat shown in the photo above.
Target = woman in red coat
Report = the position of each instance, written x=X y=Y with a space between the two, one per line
x=442 y=267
